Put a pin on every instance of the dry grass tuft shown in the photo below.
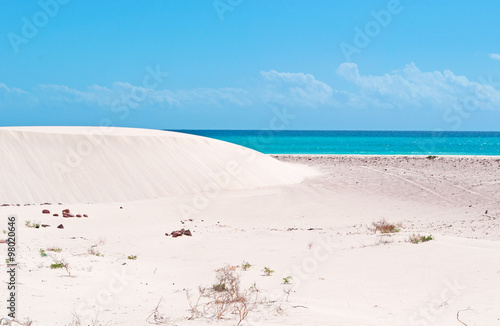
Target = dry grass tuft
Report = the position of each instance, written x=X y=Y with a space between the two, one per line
x=224 y=298
x=383 y=226
x=419 y=238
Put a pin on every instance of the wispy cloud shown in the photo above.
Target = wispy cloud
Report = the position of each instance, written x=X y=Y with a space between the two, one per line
x=411 y=87
x=11 y=96
x=408 y=88
x=121 y=93
x=294 y=89
x=495 y=56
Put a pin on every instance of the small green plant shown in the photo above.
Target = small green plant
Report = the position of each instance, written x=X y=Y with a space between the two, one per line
x=42 y=253
x=219 y=287
x=287 y=280
x=245 y=265
x=431 y=157
x=30 y=224
x=94 y=251
x=384 y=227
x=419 y=238
x=132 y=257
x=267 y=271
x=56 y=265
x=4 y=232
x=254 y=287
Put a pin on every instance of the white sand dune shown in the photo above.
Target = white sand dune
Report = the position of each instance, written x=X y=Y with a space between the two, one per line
x=78 y=164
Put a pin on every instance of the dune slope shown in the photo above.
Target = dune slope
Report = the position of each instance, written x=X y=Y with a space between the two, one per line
x=90 y=164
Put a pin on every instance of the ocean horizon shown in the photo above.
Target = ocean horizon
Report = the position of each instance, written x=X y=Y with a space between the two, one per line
x=360 y=142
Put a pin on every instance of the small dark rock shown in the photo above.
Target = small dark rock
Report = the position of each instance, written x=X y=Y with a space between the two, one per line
x=85 y=215
x=65 y=211
x=78 y=215
x=45 y=211
x=60 y=226
x=188 y=233
x=55 y=215
x=45 y=225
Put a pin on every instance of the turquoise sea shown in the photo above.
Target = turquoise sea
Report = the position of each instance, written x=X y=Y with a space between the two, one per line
x=360 y=142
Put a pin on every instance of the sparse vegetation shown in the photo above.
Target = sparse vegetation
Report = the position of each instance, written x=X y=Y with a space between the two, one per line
x=156 y=317
x=30 y=224
x=132 y=257
x=419 y=238
x=56 y=265
x=94 y=251
x=9 y=322
x=78 y=322
x=431 y=157
x=60 y=264
x=245 y=265
x=43 y=252
x=287 y=280
x=224 y=298
x=383 y=226
x=267 y=271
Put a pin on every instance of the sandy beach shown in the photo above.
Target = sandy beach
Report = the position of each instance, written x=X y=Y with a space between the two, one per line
x=296 y=231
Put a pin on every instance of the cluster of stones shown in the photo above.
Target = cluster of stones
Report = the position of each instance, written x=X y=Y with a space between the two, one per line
x=65 y=213
x=179 y=233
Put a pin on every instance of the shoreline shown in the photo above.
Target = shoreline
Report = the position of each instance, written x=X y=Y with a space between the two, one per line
x=391 y=155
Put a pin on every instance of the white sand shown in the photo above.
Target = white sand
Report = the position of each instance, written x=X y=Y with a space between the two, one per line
x=315 y=231
x=119 y=164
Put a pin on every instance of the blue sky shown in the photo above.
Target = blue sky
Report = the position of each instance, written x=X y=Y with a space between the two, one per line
x=260 y=64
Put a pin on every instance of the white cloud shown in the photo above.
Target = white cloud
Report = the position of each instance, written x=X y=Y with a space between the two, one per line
x=405 y=89
x=126 y=94
x=495 y=56
x=294 y=89
x=94 y=94
x=11 y=96
x=412 y=87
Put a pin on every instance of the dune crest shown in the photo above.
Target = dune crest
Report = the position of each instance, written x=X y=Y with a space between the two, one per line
x=98 y=164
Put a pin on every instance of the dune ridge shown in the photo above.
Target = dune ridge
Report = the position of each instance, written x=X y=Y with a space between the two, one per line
x=109 y=164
